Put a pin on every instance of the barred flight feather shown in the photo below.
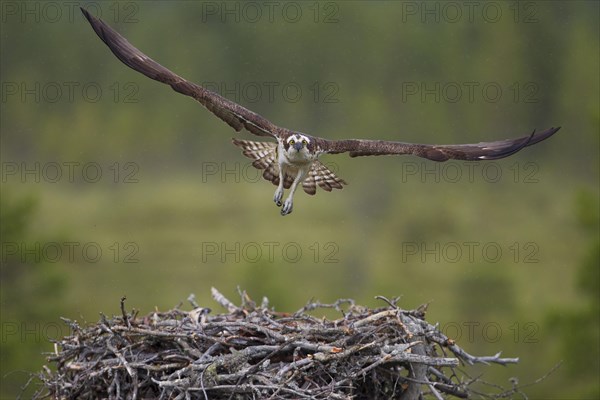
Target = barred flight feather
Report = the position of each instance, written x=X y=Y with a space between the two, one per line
x=321 y=175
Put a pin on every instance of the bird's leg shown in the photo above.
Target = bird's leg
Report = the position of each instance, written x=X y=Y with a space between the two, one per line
x=279 y=191
x=289 y=202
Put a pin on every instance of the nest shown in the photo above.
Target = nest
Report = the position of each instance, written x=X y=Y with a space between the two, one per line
x=253 y=352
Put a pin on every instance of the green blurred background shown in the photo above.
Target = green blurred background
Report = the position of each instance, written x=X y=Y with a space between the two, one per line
x=96 y=157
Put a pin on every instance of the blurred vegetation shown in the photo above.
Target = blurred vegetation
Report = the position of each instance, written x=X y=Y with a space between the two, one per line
x=31 y=293
x=158 y=207
x=579 y=328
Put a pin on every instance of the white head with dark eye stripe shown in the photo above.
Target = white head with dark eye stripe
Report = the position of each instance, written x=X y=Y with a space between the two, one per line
x=298 y=146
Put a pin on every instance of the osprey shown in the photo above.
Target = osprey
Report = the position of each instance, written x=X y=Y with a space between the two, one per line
x=293 y=159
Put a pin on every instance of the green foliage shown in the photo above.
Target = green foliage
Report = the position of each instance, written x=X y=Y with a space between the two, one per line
x=579 y=328
x=31 y=292
x=15 y=216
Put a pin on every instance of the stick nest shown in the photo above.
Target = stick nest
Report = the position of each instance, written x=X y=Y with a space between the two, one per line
x=253 y=352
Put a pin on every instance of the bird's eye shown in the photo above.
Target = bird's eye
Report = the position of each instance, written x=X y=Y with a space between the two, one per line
x=304 y=142
x=292 y=142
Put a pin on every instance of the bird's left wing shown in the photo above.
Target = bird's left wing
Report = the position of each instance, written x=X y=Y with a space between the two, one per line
x=476 y=151
x=235 y=115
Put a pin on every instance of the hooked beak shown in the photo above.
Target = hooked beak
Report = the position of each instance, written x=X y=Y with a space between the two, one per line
x=298 y=146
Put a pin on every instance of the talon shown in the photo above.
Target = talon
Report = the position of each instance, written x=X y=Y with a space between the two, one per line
x=277 y=197
x=287 y=207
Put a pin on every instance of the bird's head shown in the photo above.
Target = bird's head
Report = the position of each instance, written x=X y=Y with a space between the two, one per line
x=298 y=146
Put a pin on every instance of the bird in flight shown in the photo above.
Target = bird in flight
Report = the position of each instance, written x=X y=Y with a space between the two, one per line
x=293 y=158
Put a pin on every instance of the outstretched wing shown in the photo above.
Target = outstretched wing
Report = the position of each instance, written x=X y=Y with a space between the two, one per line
x=476 y=151
x=235 y=115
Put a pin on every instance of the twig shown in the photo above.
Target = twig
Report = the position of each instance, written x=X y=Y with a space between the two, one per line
x=223 y=301
x=124 y=313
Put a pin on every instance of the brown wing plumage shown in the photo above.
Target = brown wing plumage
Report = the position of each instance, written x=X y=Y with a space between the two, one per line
x=322 y=176
x=476 y=151
x=264 y=155
x=235 y=115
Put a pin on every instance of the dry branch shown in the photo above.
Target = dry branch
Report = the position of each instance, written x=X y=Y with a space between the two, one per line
x=254 y=352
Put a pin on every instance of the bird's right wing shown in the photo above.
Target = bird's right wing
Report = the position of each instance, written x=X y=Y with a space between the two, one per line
x=235 y=115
